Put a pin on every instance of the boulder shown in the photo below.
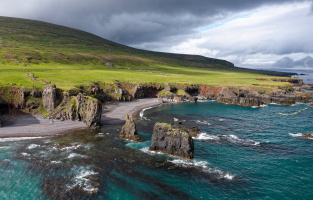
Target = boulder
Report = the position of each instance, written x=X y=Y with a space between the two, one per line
x=172 y=140
x=49 y=98
x=81 y=108
x=129 y=130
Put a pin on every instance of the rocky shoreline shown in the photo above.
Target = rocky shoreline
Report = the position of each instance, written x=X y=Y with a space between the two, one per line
x=85 y=103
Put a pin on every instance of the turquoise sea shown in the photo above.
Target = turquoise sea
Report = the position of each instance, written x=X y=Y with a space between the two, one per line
x=241 y=153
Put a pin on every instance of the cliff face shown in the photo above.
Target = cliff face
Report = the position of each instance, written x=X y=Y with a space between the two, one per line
x=81 y=108
x=171 y=140
x=50 y=98
x=249 y=97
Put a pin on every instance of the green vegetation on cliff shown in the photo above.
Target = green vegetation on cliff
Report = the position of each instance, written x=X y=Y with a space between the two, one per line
x=69 y=57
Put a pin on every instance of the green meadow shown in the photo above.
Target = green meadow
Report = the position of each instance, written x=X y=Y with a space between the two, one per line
x=68 y=57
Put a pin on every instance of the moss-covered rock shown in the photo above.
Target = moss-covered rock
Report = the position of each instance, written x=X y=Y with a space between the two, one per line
x=129 y=130
x=81 y=108
x=172 y=140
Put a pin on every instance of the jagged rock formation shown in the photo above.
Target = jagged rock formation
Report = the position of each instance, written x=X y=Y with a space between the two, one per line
x=172 y=94
x=248 y=97
x=50 y=98
x=172 y=140
x=82 y=108
x=242 y=97
x=129 y=130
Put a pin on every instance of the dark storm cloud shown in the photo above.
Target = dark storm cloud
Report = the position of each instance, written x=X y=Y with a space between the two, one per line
x=288 y=63
x=132 y=22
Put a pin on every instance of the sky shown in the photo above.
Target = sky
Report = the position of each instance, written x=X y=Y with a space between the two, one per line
x=249 y=33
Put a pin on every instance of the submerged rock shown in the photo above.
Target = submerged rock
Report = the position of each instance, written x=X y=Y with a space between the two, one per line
x=129 y=130
x=81 y=108
x=173 y=140
x=307 y=136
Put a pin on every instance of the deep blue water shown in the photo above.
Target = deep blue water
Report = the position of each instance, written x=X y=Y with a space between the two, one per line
x=242 y=153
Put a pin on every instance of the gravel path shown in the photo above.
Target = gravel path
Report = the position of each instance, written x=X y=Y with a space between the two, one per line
x=34 y=126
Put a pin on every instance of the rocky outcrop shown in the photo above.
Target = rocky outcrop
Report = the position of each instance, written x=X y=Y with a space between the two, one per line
x=50 y=98
x=245 y=96
x=307 y=136
x=239 y=97
x=172 y=140
x=307 y=87
x=0 y=120
x=129 y=130
x=81 y=108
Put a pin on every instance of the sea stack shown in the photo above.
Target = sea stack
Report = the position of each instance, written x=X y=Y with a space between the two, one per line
x=172 y=140
x=129 y=130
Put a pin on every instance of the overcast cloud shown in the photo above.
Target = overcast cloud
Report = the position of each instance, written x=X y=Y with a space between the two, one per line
x=248 y=33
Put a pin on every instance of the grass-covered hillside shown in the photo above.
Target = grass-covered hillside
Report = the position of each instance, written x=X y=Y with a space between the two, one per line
x=68 y=57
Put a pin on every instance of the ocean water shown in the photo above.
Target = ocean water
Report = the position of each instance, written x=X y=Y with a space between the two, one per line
x=305 y=75
x=241 y=153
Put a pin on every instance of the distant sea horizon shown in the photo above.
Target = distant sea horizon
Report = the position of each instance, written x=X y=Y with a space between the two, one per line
x=305 y=75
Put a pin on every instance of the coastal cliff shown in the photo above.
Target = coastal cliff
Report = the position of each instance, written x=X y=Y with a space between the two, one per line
x=84 y=103
x=80 y=108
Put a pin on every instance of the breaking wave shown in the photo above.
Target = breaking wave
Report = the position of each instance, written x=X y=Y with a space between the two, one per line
x=203 y=165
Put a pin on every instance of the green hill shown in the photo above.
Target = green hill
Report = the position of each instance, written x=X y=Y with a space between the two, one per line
x=69 y=57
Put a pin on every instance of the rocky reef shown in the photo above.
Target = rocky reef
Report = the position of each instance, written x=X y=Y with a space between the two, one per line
x=173 y=140
x=81 y=108
x=129 y=130
x=306 y=136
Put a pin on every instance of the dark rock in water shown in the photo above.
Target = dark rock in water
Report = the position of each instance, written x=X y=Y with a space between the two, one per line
x=172 y=140
x=0 y=120
x=82 y=108
x=129 y=130
x=192 y=130
x=307 y=136
x=49 y=98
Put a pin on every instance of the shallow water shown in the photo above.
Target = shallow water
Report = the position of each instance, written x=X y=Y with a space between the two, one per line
x=242 y=153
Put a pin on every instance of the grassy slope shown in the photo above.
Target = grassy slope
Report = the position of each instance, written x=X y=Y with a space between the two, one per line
x=69 y=57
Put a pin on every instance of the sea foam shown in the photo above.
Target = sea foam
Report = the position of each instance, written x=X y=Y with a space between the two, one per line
x=203 y=165
x=142 y=112
x=12 y=139
x=206 y=136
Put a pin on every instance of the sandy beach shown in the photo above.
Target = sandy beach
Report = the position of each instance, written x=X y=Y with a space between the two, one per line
x=115 y=113
x=34 y=126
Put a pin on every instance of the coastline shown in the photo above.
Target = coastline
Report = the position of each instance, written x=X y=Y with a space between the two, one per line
x=38 y=126
x=115 y=113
